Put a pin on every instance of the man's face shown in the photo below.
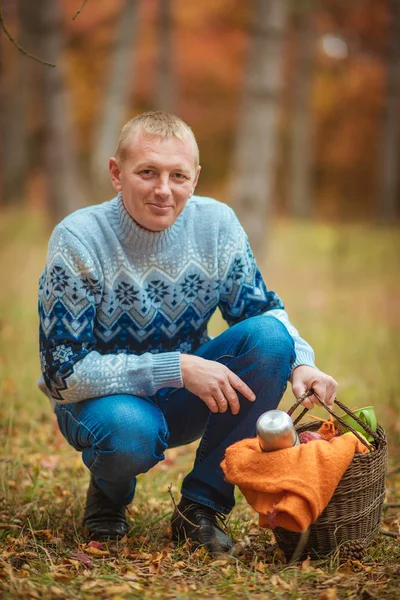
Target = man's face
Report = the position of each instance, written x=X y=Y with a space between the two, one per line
x=156 y=179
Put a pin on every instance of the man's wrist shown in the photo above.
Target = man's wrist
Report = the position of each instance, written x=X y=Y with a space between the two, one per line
x=311 y=366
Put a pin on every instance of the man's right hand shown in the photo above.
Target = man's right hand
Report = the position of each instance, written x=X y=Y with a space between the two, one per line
x=214 y=383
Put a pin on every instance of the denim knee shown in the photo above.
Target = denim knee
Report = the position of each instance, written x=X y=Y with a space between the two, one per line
x=132 y=444
x=270 y=342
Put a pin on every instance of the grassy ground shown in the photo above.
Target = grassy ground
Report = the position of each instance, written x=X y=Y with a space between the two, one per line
x=342 y=290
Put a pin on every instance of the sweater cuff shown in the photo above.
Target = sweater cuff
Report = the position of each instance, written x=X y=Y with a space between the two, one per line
x=303 y=358
x=167 y=370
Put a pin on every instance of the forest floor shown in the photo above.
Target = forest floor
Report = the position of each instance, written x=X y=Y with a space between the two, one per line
x=341 y=286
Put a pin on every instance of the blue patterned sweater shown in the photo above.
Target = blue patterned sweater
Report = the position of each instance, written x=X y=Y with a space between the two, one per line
x=118 y=303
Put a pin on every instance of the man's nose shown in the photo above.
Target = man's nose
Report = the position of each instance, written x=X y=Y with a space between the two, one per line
x=163 y=188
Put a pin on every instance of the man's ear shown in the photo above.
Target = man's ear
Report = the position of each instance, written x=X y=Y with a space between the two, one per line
x=115 y=174
x=196 y=178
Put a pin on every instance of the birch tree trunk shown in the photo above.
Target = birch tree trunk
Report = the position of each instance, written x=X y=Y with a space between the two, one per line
x=65 y=187
x=165 y=84
x=389 y=191
x=116 y=99
x=300 y=182
x=256 y=144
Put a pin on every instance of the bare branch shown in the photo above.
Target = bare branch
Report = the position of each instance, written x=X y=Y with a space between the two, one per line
x=177 y=509
x=79 y=10
x=18 y=46
x=389 y=533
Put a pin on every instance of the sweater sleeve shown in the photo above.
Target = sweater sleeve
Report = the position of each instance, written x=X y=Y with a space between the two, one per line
x=243 y=293
x=70 y=290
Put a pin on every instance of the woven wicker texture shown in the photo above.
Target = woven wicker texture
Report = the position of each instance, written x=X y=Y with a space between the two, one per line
x=354 y=511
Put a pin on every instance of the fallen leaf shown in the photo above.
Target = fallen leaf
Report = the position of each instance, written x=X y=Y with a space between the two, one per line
x=118 y=588
x=305 y=564
x=44 y=533
x=278 y=582
x=90 y=585
x=96 y=552
x=82 y=558
x=141 y=555
x=130 y=576
x=345 y=569
x=94 y=544
x=63 y=577
x=261 y=568
x=154 y=568
x=219 y=563
x=56 y=591
x=329 y=594
x=136 y=586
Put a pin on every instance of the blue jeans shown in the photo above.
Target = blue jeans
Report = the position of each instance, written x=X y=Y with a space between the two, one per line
x=122 y=436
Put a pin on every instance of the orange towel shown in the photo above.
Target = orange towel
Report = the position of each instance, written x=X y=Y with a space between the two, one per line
x=289 y=488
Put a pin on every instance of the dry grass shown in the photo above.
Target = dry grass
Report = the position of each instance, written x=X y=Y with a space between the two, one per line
x=342 y=289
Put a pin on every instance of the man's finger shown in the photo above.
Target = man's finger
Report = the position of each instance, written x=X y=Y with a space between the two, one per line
x=221 y=401
x=232 y=397
x=241 y=386
x=211 y=403
x=307 y=403
x=331 y=392
x=298 y=390
x=319 y=388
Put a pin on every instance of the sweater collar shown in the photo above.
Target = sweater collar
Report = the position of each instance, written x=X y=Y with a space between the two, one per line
x=135 y=236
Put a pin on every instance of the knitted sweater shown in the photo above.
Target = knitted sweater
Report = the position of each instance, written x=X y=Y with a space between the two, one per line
x=118 y=303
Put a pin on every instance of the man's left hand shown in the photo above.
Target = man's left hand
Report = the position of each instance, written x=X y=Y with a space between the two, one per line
x=304 y=378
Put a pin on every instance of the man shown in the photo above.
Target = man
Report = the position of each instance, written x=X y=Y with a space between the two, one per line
x=124 y=301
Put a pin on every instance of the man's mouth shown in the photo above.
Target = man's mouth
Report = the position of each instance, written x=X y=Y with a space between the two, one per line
x=159 y=208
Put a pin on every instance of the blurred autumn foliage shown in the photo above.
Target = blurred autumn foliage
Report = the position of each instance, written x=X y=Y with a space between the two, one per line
x=335 y=108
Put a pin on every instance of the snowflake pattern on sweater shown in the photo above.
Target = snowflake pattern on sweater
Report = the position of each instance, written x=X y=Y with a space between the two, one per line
x=118 y=304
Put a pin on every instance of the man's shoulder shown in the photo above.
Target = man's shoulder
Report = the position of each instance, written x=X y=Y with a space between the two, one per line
x=213 y=216
x=204 y=206
x=85 y=221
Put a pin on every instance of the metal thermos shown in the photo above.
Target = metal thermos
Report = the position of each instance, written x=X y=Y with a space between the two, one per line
x=275 y=431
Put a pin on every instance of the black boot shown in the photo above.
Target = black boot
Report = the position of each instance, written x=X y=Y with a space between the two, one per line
x=203 y=528
x=103 y=519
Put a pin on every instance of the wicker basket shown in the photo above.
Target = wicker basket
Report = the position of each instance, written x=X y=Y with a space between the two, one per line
x=354 y=511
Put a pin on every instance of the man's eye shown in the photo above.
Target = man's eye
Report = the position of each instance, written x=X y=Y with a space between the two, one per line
x=179 y=176
x=147 y=172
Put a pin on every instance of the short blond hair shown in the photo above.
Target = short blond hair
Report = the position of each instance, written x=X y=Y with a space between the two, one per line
x=157 y=123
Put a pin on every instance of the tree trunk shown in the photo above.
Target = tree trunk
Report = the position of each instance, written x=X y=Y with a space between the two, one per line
x=2 y=118
x=15 y=129
x=387 y=201
x=165 y=88
x=256 y=143
x=301 y=156
x=14 y=112
x=63 y=180
x=24 y=119
x=116 y=100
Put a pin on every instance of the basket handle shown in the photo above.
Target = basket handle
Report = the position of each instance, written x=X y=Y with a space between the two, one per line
x=347 y=410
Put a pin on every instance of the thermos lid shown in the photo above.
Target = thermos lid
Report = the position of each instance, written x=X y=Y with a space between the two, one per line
x=275 y=430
